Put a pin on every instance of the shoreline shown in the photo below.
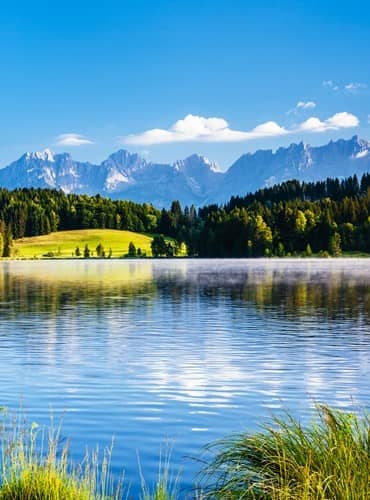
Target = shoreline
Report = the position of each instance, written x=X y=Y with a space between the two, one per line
x=182 y=258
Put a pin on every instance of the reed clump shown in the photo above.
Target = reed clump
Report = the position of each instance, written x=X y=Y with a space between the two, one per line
x=167 y=485
x=37 y=466
x=330 y=459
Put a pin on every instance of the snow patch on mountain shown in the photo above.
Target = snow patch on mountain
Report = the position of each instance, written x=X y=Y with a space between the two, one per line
x=194 y=180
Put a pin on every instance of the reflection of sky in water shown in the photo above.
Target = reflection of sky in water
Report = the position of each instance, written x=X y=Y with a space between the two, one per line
x=189 y=350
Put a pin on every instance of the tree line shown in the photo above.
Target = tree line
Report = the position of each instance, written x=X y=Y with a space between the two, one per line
x=291 y=218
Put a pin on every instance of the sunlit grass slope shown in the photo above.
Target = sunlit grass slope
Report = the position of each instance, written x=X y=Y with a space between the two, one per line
x=63 y=243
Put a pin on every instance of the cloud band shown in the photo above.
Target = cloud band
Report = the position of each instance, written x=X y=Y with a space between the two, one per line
x=194 y=128
x=72 y=140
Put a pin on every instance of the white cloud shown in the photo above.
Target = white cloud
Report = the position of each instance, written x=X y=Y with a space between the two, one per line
x=200 y=129
x=335 y=122
x=330 y=84
x=355 y=86
x=72 y=140
x=351 y=87
x=306 y=105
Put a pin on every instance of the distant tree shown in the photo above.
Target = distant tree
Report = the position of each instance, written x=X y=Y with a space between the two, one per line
x=138 y=252
x=262 y=237
x=308 y=251
x=100 y=250
x=169 y=250
x=249 y=248
x=131 y=249
x=1 y=244
x=280 y=249
x=159 y=246
x=8 y=242
x=110 y=253
x=77 y=252
x=335 y=245
x=86 y=251
x=177 y=246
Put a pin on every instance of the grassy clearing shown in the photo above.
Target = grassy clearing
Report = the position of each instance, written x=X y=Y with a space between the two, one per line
x=328 y=460
x=63 y=243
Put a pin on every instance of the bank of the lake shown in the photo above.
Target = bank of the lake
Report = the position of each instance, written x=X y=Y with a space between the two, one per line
x=283 y=460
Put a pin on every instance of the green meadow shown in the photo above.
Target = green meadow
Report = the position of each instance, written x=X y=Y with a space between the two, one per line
x=63 y=244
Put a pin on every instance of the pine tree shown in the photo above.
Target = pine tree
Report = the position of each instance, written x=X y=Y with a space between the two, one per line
x=131 y=249
x=86 y=251
x=100 y=250
x=335 y=245
x=8 y=242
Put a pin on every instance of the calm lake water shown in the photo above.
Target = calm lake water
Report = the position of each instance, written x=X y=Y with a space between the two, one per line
x=180 y=350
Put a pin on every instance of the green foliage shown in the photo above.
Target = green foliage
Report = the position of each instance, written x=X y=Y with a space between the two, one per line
x=335 y=245
x=100 y=250
x=167 y=485
x=7 y=241
x=308 y=251
x=77 y=252
x=327 y=216
x=159 y=246
x=34 y=212
x=131 y=249
x=49 y=254
x=86 y=251
x=35 y=466
x=328 y=460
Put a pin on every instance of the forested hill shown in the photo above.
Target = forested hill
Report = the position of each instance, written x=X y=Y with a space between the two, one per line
x=292 y=218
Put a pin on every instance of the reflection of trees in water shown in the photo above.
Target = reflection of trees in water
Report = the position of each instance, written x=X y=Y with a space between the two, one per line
x=51 y=294
x=333 y=294
x=331 y=300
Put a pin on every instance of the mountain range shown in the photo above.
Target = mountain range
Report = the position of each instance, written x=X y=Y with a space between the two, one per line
x=195 y=180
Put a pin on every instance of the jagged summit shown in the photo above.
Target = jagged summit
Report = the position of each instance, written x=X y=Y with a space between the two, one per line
x=194 y=180
x=46 y=155
x=196 y=161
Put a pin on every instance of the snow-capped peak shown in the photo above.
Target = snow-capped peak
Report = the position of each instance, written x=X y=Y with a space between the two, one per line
x=45 y=155
x=196 y=161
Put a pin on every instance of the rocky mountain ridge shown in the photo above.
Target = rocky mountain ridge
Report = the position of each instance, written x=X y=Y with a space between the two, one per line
x=194 y=180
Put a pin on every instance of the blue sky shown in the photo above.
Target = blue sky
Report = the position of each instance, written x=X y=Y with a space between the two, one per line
x=90 y=77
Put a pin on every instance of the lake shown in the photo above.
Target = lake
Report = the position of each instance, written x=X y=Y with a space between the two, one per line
x=185 y=351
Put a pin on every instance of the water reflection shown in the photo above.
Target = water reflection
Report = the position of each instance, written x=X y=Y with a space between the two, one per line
x=335 y=289
x=187 y=349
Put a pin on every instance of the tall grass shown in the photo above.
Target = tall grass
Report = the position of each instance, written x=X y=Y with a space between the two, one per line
x=328 y=460
x=167 y=486
x=35 y=465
